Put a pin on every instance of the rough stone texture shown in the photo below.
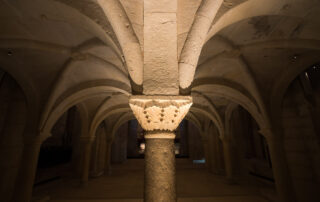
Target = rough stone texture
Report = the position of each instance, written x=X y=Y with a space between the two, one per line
x=91 y=9
x=185 y=16
x=160 y=73
x=160 y=116
x=225 y=7
x=134 y=10
x=13 y=107
x=160 y=112
x=301 y=145
x=160 y=171
x=60 y=55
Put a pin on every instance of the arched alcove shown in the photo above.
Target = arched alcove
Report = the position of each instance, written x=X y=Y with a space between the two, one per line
x=251 y=156
x=299 y=121
x=59 y=154
x=13 y=119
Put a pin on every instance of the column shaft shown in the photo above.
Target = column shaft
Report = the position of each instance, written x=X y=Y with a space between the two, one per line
x=228 y=159
x=207 y=155
x=28 y=168
x=86 y=156
x=160 y=174
x=280 y=170
x=107 y=166
x=214 y=154
x=10 y=156
x=160 y=116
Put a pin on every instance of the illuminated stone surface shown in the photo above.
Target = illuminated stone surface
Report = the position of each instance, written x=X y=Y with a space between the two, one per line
x=231 y=56
x=160 y=112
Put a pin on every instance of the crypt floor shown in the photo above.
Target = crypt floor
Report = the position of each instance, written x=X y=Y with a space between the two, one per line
x=125 y=184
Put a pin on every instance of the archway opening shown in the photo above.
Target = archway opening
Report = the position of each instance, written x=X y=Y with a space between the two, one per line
x=13 y=123
x=59 y=154
x=250 y=150
x=299 y=121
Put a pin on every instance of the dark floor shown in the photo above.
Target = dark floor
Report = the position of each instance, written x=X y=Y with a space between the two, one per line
x=125 y=184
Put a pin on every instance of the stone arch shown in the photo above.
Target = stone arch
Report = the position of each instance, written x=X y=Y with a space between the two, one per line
x=210 y=117
x=63 y=82
x=128 y=40
x=194 y=120
x=270 y=7
x=71 y=100
x=13 y=123
x=195 y=40
x=123 y=119
x=237 y=97
x=286 y=78
x=30 y=92
x=106 y=113
x=250 y=88
x=228 y=113
x=210 y=105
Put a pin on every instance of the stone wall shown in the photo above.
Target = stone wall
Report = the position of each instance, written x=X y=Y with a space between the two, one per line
x=301 y=144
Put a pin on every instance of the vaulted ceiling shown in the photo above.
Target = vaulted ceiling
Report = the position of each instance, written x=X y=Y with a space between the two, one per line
x=89 y=52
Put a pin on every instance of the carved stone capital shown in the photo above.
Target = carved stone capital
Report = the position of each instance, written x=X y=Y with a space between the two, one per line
x=160 y=112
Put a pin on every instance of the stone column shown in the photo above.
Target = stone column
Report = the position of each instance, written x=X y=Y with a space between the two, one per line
x=28 y=168
x=215 y=150
x=279 y=166
x=227 y=151
x=107 y=167
x=214 y=154
x=207 y=153
x=98 y=154
x=160 y=116
x=160 y=182
x=102 y=153
x=10 y=155
x=86 y=145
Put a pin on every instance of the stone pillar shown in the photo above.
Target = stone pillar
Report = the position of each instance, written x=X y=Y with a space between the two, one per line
x=227 y=151
x=207 y=153
x=160 y=182
x=98 y=154
x=10 y=155
x=160 y=41
x=279 y=166
x=86 y=145
x=107 y=167
x=102 y=152
x=214 y=153
x=215 y=150
x=28 y=168
x=119 y=146
x=13 y=114
x=160 y=116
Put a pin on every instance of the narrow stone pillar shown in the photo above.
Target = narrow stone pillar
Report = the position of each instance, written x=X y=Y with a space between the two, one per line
x=160 y=116
x=228 y=159
x=107 y=167
x=214 y=155
x=86 y=144
x=28 y=168
x=279 y=166
x=207 y=153
x=10 y=155
x=98 y=154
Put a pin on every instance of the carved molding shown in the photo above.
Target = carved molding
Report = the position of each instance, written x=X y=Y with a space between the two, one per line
x=160 y=112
